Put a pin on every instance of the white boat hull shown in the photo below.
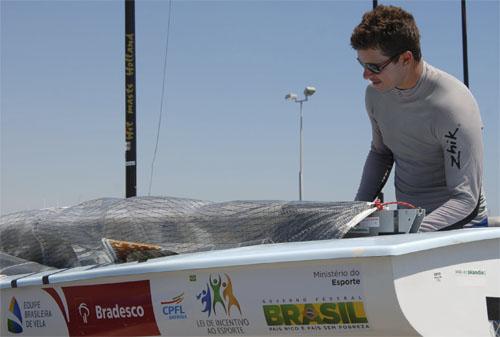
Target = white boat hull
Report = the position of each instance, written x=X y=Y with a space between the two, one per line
x=435 y=284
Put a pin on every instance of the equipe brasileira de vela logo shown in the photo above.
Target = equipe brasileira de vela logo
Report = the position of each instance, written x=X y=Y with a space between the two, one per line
x=14 y=324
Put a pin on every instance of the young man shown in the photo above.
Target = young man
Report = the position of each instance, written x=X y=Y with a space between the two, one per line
x=423 y=120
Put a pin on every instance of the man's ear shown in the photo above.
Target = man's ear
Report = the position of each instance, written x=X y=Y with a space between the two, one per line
x=407 y=57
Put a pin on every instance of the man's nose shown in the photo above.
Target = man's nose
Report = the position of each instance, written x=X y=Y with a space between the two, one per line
x=367 y=73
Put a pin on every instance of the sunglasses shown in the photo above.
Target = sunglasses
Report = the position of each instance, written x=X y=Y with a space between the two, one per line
x=377 y=68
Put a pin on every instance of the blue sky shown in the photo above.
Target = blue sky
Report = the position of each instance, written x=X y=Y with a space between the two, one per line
x=227 y=133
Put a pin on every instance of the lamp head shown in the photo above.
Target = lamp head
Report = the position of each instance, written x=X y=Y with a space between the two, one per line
x=291 y=97
x=309 y=91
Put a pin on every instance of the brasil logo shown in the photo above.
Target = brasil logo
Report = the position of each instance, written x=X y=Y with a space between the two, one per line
x=315 y=313
x=218 y=294
x=12 y=325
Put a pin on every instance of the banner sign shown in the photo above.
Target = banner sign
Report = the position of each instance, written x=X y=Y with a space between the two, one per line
x=307 y=300
x=311 y=300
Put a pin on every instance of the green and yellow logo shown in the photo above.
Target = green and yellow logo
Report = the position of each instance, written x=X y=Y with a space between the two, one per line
x=14 y=325
x=315 y=313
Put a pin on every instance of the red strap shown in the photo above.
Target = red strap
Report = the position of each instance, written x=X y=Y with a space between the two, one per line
x=380 y=206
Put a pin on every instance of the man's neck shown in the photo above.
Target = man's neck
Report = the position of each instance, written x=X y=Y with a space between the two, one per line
x=412 y=76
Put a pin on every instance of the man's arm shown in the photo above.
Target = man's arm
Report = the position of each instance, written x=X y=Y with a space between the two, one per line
x=378 y=163
x=459 y=130
x=375 y=173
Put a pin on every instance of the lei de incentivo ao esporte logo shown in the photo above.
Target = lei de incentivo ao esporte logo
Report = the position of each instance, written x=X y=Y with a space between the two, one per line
x=218 y=301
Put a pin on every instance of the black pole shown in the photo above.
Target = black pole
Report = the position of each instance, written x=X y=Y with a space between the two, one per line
x=130 y=102
x=464 y=44
x=380 y=196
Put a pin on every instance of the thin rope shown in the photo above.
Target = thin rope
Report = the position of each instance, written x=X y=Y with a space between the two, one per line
x=162 y=97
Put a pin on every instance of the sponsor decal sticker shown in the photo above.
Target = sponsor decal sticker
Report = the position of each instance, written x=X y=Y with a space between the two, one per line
x=301 y=315
x=470 y=277
x=470 y=272
x=340 y=278
x=26 y=315
x=14 y=324
x=342 y=310
x=173 y=308
x=123 y=309
x=218 y=301
x=84 y=312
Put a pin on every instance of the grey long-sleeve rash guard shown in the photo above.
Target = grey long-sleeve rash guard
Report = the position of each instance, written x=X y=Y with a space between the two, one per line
x=433 y=133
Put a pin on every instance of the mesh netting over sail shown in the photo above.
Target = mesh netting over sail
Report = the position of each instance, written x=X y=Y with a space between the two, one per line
x=71 y=236
x=11 y=265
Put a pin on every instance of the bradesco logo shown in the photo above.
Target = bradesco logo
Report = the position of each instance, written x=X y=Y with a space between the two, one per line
x=336 y=314
x=14 y=323
x=108 y=309
x=114 y=312
x=173 y=308
x=84 y=312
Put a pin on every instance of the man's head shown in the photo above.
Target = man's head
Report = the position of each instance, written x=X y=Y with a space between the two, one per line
x=390 y=29
x=387 y=37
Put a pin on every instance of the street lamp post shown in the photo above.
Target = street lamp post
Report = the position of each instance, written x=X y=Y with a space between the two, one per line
x=308 y=91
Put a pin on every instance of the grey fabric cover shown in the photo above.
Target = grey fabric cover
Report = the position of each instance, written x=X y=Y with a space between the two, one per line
x=71 y=236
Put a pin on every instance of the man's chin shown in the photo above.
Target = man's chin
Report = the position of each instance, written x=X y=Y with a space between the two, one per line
x=379 y=87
